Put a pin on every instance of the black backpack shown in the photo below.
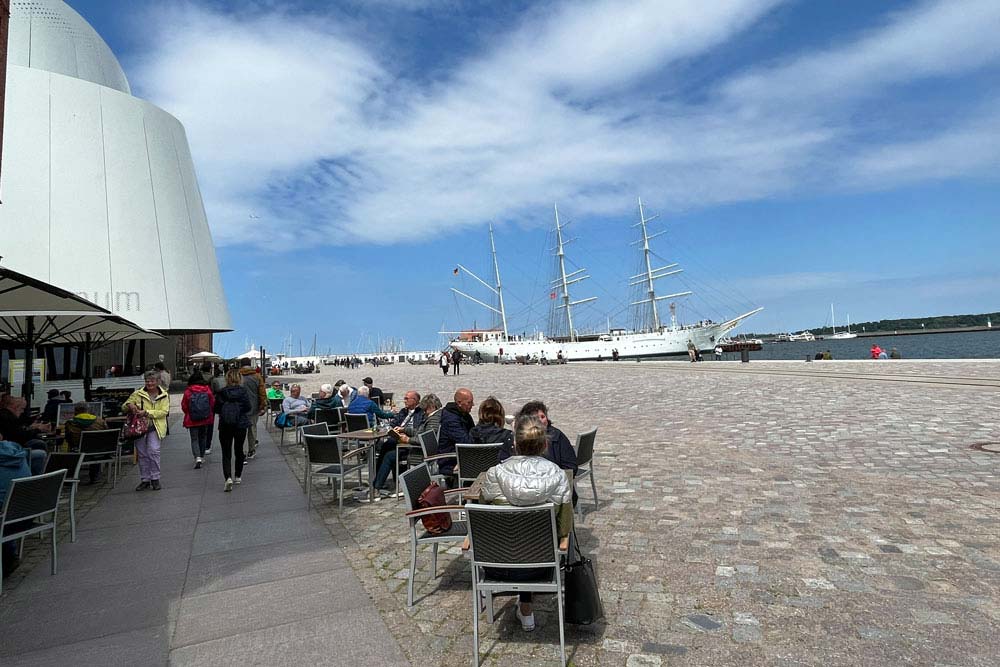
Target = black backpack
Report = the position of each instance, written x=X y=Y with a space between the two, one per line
x=230 y=413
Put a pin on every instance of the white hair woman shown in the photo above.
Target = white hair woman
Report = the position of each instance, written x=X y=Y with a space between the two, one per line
x=528 y=478
x=152 y=402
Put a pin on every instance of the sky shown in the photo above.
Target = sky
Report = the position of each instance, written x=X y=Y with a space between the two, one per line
x=796 y=154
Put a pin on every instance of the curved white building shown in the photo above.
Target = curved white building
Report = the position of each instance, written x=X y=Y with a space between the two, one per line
x=99 y=190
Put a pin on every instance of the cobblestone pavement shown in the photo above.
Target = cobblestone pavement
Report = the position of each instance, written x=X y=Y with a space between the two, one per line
x=745 y=518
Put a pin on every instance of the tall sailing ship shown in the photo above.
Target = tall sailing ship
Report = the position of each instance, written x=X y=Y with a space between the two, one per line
x=657 y=339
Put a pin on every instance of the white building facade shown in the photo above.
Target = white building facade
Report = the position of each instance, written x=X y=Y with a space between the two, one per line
x=99 y=194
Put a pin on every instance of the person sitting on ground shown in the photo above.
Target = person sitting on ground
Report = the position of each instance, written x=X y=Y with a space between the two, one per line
x=274 y=392
x=894 y=354
x=492 y=426
x=327 y=400
x=374 y=393
x=409 y=419
x=456 y=423
x=827 y=356
x=525 y=479
x=17 y=426
x=83 y=421
x=295 y=407
x=362 y=405
x=51 y=409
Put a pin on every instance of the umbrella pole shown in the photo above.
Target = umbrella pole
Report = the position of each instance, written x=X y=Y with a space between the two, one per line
x=27 y=389
x=87 y=368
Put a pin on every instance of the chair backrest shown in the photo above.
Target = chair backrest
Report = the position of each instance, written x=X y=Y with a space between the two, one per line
x=322 y=448
x=387 y=397
x=585 y=447
x=428 y=443
x=328 y=416
x=275 y=404
x=70 y=462
x=504 y=535
x=415 y=480
x=314 y=395
x=321 y=428
x=99 y=442
x=475 y=459
x=356 y=422
x=30 y=497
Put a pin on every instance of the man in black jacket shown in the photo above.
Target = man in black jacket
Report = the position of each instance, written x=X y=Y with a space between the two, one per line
x=456 y=423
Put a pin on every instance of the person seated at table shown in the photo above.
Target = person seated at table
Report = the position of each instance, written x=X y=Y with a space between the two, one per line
x=559 y=450
x=529 y=478
x=374 y=392
x=35 y=458
x=364 y=405
x=296 y=407
x=17 y=426
x=13 y=465
x=408 y=420
x=83 y=421
x=274 y=392
x=431 y=405
x=326 y=401
x=345 y=393
x=456 y=423
x=51 y=409
x=492 y=426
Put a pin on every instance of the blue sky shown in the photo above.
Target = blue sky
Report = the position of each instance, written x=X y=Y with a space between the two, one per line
x=797 y=154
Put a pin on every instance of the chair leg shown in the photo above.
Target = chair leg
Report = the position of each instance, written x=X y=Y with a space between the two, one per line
x=413 y=568
x=72 y=513
x=562 y=630
x=434 y=561
x=53 y=545
x=593 y=485
x=475 y=626
x=340 y=494
x=308 y=490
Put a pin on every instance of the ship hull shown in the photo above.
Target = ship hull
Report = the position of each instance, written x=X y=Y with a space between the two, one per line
x=665 y=343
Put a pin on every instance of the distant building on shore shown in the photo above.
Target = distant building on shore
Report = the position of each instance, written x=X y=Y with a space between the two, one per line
x=99 y=190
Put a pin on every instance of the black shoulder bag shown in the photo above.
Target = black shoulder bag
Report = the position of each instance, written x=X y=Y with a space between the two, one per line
x=582 y=598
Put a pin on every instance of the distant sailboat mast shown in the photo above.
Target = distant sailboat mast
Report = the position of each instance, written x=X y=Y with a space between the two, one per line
x=498 y=290
x=566 y=279
x=652 y=274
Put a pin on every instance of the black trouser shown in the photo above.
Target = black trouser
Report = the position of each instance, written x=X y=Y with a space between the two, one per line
x=388 y=445
x=454 y=369
x=228 y=437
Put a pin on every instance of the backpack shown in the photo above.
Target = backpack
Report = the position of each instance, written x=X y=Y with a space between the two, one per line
x=199 y=409
x=433 y=496
x=230 y=413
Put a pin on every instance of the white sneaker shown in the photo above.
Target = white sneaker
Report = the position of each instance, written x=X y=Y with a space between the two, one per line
x=197 y=462
x=229 y=484
x=208 y=452
x=238 y=480
x=527 y=622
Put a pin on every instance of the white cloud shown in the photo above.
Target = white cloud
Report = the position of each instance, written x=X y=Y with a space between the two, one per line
x=295 y=118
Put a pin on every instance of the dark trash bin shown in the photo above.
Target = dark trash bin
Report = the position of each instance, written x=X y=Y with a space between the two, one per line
x=808 y=358
x=745 y=356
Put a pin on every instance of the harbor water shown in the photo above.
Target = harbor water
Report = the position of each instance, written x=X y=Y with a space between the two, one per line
x=972 y=345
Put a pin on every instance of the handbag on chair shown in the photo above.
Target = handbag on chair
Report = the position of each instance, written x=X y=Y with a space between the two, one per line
x=582 y=599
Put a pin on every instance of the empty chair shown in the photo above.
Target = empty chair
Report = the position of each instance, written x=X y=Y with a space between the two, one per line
x=322 y=428
x=504 y=536
x=30 y=507
x=474 y=459
x=585 y=462
x=324 y=459
x=330 y=417
x=71 y=463
x=273 y=410
x=357 y=422
x=429 y=447
x=415 y=480
x=101 y=448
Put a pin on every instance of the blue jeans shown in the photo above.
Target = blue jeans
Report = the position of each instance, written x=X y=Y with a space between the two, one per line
x=388 y=466
x=201 y=439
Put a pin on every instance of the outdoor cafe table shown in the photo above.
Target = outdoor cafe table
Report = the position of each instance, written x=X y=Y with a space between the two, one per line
x=369 y=437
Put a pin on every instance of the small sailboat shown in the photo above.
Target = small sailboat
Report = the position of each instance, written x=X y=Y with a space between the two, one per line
x=843 y=335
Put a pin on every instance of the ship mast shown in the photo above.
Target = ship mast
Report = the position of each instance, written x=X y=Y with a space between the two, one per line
x=650 y=274
x=566 y=279
x=498 y=290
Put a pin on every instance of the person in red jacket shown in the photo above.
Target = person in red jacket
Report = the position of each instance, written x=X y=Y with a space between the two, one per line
x=876 y=350
x=198 y=405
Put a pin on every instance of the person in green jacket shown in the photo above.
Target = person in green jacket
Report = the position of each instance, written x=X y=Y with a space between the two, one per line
x=152 y=402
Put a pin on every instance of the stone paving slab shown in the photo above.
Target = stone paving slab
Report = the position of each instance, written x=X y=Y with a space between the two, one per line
x=745 y=518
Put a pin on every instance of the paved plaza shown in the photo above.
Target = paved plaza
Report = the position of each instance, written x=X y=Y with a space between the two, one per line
x=774 y=513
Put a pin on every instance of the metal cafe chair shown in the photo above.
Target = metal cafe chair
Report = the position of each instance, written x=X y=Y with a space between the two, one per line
x=101 y=448
x=508 y=537
x=71 y=463
x=31 y=507
x=585 y=463
x=474 y=459
x=324 y=451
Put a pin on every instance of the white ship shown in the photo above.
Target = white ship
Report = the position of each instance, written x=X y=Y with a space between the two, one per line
x=658 y=340
x=807 y=336
x=840 y=335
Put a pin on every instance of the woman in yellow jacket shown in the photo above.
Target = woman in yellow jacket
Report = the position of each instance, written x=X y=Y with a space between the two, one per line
x=153 y=402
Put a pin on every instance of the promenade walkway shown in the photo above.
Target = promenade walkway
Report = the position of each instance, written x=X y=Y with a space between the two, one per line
x=191 y=575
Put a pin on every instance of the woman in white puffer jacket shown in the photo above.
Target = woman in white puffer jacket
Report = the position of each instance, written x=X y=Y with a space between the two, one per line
x=528 y=478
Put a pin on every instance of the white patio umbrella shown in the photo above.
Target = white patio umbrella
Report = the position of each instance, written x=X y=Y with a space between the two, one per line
x=204 y=356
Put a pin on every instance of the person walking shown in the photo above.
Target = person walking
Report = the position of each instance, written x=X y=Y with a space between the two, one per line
x=456 y=361
x=234 y=408
x=198 y=405
x=153 y=403
x=444 y=361
x=254 y=383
